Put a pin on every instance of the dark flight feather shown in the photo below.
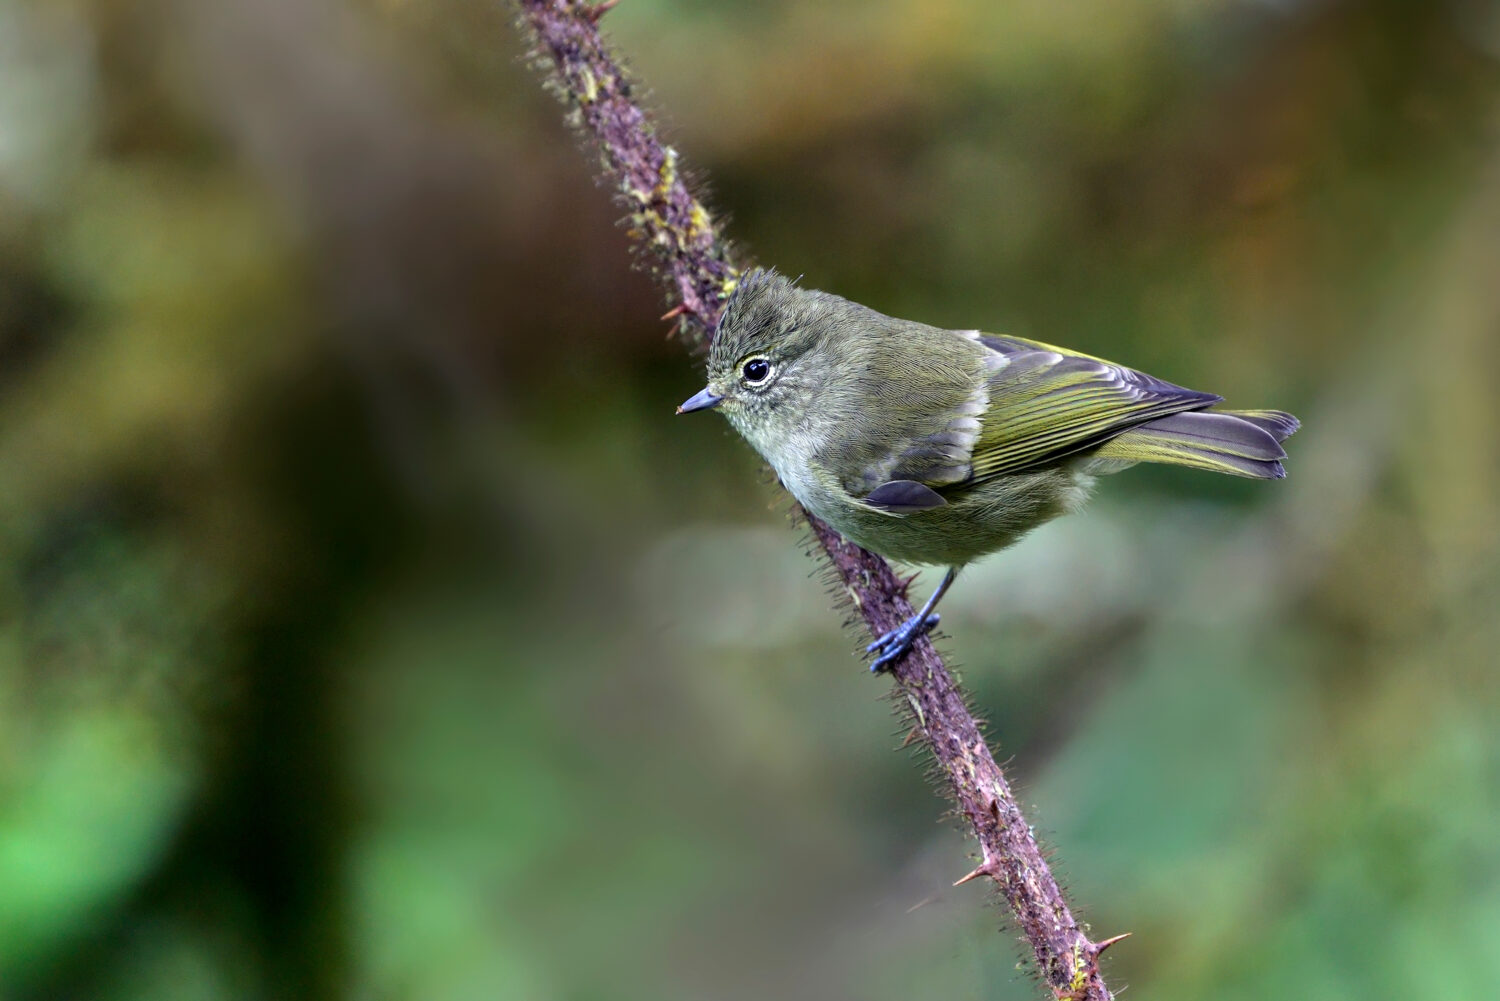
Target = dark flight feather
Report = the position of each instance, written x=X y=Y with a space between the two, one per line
x=904 y=496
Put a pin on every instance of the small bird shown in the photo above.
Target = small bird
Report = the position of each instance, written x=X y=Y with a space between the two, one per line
x=933 y=446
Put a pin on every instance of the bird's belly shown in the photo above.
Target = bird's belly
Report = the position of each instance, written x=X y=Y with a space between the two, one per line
x=976 y=521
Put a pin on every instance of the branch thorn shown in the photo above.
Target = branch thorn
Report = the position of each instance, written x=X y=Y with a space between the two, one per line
x=1099 y=947
x=595 y=11
x=676 y=310
x=983 y=870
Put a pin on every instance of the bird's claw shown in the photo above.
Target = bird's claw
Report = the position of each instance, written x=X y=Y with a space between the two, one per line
x=893 y=645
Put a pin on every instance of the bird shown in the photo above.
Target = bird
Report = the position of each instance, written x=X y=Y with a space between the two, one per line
x=933 y=446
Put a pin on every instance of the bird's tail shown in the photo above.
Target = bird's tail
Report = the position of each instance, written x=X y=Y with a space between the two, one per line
x=1238 y=442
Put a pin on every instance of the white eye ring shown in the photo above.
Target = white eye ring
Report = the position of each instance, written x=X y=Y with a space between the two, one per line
x=756 y=371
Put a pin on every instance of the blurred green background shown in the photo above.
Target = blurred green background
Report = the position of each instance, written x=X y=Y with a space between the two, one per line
x=370 y=629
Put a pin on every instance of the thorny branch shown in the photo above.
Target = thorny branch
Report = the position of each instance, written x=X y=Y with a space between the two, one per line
x=683 y=247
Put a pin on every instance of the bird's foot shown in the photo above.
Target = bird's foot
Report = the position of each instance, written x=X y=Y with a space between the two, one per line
x=893 y=645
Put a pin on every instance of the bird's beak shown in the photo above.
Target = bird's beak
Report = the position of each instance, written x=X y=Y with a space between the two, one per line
x=703 y=401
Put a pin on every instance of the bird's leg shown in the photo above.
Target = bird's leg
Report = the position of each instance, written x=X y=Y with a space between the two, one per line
x=894 y=644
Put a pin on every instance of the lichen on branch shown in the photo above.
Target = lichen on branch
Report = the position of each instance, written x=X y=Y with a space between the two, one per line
x=671 y=227
x=684 y=250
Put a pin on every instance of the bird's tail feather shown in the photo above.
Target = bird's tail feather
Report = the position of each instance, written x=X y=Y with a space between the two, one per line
x=1238 y=442
x=1277 y=423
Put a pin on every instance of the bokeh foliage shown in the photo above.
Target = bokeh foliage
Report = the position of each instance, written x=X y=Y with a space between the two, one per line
x=369 y=628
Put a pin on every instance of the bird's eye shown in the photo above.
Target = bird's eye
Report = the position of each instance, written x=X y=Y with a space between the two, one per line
x=756 y=371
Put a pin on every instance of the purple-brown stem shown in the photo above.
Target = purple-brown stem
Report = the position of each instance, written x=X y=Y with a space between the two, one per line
x=682 y=246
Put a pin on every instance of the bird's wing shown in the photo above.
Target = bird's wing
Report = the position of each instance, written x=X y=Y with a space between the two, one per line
x=1011 y=405
x=1046 y=402
x=921 y=406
